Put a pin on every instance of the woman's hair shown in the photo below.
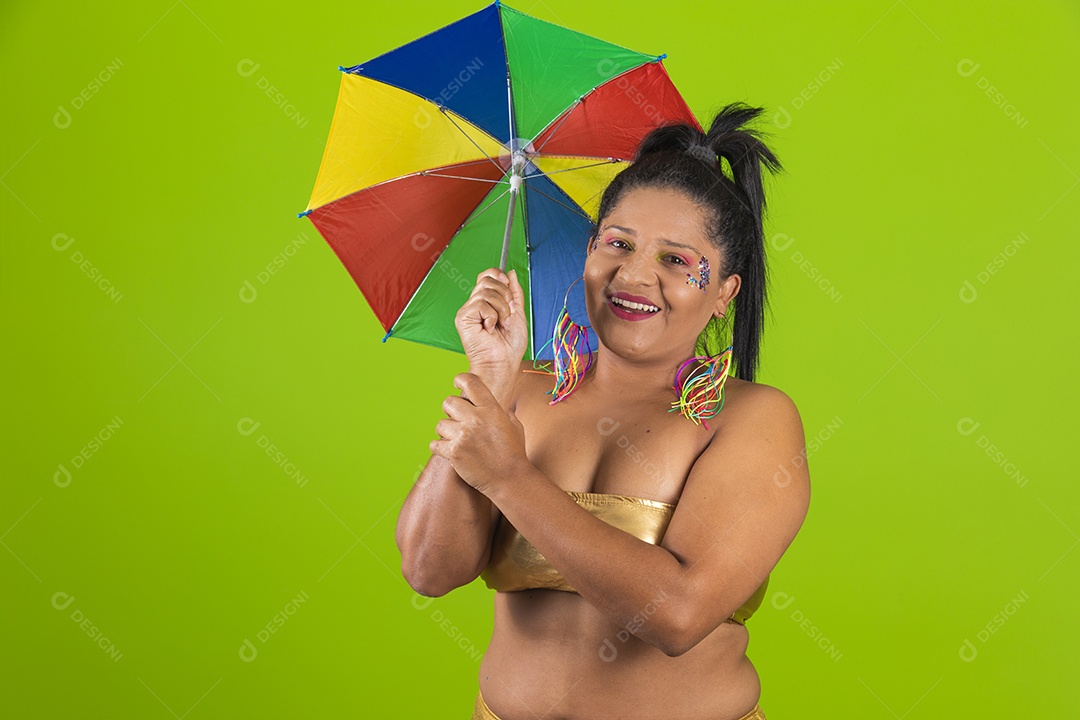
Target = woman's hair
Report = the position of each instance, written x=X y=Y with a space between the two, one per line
x=682 y=157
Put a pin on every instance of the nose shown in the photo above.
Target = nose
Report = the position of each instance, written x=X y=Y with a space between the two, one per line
x=635 y=270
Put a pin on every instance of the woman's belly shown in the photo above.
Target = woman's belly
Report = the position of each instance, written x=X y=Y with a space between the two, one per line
x=553 y=655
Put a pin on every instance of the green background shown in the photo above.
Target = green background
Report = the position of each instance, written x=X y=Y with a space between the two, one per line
x=935 y=392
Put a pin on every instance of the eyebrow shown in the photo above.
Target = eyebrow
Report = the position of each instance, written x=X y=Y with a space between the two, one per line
x=628 y=231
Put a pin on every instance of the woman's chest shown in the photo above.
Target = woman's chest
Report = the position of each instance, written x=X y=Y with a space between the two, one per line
x=612 y=449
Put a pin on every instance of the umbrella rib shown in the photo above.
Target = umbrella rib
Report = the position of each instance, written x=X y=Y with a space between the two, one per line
x=464 y=224
x=566 y=115
x=470 y=139
x=579 y=167
x=427 y=173
x=555 y=200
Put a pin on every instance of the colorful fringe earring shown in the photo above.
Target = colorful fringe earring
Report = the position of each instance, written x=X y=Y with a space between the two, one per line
x=701 y=392
x=567 y=341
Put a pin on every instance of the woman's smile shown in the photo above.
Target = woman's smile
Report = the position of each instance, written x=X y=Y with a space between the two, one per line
x=631 y=307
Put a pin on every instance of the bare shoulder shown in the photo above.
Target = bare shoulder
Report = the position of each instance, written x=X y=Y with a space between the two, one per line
x=760 y=402
x=765 y=429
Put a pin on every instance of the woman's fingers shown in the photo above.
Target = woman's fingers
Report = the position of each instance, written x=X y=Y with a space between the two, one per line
x=495 y=280
x=517 y=293
x=489 y=305
x=495 y=274
x=496 y=299
x=443 y=427
x=454 y=406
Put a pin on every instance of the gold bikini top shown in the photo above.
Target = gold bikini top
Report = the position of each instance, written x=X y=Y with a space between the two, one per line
x=517 y=565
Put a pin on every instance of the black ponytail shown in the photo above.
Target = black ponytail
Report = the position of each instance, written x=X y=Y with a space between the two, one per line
x=684 y=158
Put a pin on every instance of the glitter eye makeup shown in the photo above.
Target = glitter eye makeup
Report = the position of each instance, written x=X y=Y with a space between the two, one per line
x=703 y=270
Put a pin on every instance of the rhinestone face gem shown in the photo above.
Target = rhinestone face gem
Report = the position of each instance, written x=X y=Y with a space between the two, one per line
x=703 y=270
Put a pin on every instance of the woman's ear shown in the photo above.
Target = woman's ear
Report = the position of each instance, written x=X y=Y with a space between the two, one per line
x=728 y=290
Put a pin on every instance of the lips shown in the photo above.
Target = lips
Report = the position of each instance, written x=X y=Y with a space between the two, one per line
x=631 y=314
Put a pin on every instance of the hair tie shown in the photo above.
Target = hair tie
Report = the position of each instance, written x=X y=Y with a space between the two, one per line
x=705 y=154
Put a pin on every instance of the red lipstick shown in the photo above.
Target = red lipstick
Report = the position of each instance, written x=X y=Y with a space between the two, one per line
x=625 y=313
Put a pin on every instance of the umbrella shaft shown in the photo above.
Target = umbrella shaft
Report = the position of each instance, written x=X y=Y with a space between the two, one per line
x=516 y=179
x=509 y=226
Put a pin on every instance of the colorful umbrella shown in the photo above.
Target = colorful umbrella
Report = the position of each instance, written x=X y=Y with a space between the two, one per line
x=487 y=142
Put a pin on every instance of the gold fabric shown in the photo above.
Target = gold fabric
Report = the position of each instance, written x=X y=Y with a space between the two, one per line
x=516 y=564
x=482 y=712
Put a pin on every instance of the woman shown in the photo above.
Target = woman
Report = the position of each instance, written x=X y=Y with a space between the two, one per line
x=628 y=542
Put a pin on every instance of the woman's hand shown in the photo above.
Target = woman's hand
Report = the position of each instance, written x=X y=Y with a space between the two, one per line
x=492 y=325
x=484 y=442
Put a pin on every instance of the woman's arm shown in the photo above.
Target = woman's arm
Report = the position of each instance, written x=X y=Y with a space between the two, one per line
x=445 y=526
x=736 y=516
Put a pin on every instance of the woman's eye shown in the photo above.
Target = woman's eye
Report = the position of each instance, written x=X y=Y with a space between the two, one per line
x=676 y=257
x=616 y=241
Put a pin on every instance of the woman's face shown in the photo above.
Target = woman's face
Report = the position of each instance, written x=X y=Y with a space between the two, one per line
x=652 y=246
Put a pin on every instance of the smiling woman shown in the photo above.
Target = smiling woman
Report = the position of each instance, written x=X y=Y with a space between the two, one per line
x=627 y=546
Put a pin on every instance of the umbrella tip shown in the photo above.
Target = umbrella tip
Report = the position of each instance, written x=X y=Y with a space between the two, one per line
x=306 y=212
x=661 y=57
x=386 y=335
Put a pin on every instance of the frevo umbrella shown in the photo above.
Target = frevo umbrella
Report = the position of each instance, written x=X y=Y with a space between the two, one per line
x=485 y=143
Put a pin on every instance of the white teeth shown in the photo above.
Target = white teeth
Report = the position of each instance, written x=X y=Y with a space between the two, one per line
x=634 y=305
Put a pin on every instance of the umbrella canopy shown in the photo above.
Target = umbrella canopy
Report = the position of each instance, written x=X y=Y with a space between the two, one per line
x=486 y=143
